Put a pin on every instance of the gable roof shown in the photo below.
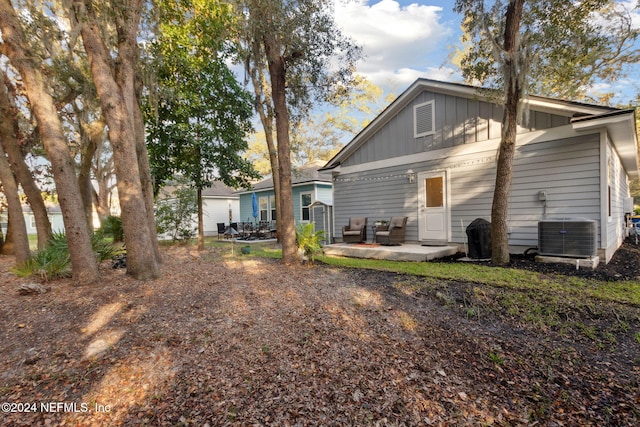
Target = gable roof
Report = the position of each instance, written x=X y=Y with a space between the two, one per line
x=306 y=174
x=219 y=190
x=619 y=122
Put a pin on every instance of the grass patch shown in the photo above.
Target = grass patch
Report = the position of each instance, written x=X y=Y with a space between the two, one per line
x=626 y=292
x=532 y=285
x=33 y=241
x=258 y=250
x=540 y=301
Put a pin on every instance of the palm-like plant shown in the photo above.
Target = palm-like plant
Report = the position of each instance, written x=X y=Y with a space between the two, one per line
x=308 y=240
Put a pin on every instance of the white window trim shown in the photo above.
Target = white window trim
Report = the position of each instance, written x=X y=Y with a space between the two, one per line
x=266 y=207
x=415 y=119
x=310 y=193
x=272 y=208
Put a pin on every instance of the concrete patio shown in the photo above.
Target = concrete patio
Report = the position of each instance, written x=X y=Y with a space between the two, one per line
x=404 y=252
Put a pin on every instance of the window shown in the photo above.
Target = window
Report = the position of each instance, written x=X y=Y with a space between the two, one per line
x=263 y=203
x=610 y=179
x=32 y=221
x=423 y=119
x=434 y=192
x=305 y=201
x=272 y=203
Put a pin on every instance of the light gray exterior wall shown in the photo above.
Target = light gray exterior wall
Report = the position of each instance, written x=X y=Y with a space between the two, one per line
x=614 y=223
x=457 y=121
x=567 y=169
x=377 y=194
x=581 y=156
x=55 y=218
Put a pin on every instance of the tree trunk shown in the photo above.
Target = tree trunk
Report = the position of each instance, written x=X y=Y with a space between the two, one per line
x=104 y=175
x=286 y=225
x=20 y=168
x=266 y=118
x=200 y=221
x=101 y=203
x=146 y=180
x=504 y=172
x=141 y=259
x=83 y=264
x=84 y=178
x=10 y=188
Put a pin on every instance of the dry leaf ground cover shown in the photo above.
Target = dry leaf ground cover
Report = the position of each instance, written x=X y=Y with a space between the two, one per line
x=243 y=341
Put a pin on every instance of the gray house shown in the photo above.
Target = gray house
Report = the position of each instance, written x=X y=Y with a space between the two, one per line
x=431 y=156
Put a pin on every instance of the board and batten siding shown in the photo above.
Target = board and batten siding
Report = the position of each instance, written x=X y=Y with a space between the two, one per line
x=457 y=121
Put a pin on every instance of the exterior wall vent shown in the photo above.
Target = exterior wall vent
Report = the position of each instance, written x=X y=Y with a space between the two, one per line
x=423 y=119
x=567 y=237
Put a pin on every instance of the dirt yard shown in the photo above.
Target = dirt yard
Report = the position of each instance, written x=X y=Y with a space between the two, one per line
x=240 y=341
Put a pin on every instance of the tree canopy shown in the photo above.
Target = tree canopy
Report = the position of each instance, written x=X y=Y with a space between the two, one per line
x=564 y=48
x=199 y=115
x=294 y=55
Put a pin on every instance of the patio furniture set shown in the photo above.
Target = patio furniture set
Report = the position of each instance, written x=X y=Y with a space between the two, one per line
x=247 y=230
x=391 y=233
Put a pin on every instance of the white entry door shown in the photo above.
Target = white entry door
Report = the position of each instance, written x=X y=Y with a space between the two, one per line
x=432 y=207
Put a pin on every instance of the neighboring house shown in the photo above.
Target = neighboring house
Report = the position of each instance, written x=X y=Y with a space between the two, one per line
x=308 y=185
x=431 y=156
x=55 y=217
x=53 y=212
x=219 y=204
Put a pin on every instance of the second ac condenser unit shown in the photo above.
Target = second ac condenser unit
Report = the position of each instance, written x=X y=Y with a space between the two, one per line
x=568 y=237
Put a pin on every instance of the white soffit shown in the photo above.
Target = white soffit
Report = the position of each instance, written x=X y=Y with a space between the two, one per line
x=622 y=131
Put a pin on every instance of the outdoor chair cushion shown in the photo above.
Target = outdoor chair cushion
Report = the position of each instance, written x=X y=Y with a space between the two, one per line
x=356 y=231
x=393 y=233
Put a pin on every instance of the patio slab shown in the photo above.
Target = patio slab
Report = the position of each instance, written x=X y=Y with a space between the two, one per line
x=404 y=252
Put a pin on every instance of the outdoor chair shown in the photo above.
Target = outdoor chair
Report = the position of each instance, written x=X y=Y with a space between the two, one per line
x=356 y=231
x=221 y=230
x=392 y=234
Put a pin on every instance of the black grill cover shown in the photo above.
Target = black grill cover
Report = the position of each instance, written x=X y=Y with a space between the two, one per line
x=479 y=237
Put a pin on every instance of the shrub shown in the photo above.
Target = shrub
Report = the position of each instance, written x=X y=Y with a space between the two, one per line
x=54 y=262
x=174 y=216
x=48 y=264
x=308 y=239
x=111 y=227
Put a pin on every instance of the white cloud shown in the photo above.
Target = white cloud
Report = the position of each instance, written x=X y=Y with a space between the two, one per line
x=399 y=79
x=400 y=43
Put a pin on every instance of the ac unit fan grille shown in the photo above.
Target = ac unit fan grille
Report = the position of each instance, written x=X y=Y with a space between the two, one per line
x=567 y=238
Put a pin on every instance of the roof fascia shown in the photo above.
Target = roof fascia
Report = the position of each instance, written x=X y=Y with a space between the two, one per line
x=621 y=128
x=298 y=184
x=560 y=107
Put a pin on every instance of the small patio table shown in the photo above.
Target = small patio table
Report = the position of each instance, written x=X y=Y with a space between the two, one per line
x=373 y=233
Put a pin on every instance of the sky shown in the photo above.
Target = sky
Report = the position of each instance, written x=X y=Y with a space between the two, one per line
x=404 y=40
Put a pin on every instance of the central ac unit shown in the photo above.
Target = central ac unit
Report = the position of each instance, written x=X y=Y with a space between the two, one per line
x=568 y=237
